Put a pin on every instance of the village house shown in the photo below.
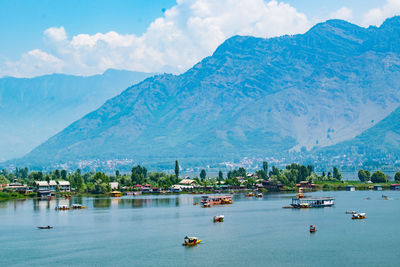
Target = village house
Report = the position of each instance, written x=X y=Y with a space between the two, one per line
x=306 y=185
x=114 y=185
x=64 y=186
x=52 y=186
x=43 y=189
x=187 y=184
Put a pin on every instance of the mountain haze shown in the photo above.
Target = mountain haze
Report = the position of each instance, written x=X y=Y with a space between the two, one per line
x=252 y=97
x=34 y=109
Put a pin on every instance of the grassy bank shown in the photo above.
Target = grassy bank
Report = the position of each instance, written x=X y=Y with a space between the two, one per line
x=14 y=195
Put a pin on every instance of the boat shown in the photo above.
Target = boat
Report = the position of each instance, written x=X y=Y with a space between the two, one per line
x=219 y=218
x=313 y=202
x=195 y=203
x=259 y=195
x=62 y=207
x=300 y=195
x=351 y=212
x=359 y=216
x=312 y=228
x=191 y=241
x=45 y=227
x=207 y=201
x=385 y=197
x=116 y=194
x=78 y=207
x=250 y=194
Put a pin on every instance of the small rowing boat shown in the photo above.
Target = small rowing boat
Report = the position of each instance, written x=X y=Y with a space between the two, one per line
x=45 y=227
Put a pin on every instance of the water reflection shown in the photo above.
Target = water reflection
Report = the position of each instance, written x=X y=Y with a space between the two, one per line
x=102 y=203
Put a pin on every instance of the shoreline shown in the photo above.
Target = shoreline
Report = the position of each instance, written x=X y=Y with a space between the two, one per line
x=329 y=186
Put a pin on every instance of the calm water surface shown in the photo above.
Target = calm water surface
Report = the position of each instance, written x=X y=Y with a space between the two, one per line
x=149 y=231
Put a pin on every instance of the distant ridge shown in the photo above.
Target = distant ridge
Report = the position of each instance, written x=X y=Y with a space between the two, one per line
x=33 y=109
x=253 y=97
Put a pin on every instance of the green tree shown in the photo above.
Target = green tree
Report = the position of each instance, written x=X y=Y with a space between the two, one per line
x=138 y=174
x=265 y=166
x=336 y=174
x=176 y=169
x=397 y=176
x=323 y=174
x=329 y=176
x=368 y=174
x=4 y=180
x=220 y=176
x=203 y=174
x=378 y=177
x=64 y=174
x=362 y=176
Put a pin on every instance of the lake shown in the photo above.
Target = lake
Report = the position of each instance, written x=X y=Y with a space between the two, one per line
x=149 y=231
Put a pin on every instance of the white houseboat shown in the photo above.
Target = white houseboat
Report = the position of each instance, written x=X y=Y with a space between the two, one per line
x=313 y=202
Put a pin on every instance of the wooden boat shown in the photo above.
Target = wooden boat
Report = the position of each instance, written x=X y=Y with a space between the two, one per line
x=63 y=207
x=206 y=205
x=195 y=203
x=45 y=227
x=207 y=201
x=259 y=195
x=191 y=241
x=78 y=207
x=312 y=228
x=300 y=195
x=351 y=212
x=116 y=194
x=250 y=194
x=359 y=216
x=219 y=218
x=304 y=206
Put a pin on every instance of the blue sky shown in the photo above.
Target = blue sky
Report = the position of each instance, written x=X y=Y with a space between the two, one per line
x=186 y=32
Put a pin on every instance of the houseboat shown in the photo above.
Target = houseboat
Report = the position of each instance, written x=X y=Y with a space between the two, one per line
x=116 y=194
x=313 y=202
x=395 y=187
x=215 y=200
x=378 y=187
x=350 y=188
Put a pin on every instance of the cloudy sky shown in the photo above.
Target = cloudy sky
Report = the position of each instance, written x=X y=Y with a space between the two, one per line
x=88 y=37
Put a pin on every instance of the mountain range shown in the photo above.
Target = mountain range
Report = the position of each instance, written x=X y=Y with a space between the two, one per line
x=330 y=88
x=34 y=109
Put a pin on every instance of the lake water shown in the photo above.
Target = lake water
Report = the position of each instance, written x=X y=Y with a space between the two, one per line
x=149 y=231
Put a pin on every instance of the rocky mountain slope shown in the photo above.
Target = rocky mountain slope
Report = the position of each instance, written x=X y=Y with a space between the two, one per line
x=252 y=97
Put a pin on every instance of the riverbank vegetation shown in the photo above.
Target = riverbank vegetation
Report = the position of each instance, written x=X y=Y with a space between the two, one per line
x=287 y=178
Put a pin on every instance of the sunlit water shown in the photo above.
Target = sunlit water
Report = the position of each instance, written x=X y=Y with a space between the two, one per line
x=149 y=231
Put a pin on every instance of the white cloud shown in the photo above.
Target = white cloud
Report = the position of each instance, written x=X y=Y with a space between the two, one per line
x=56 y=34
x=34 y=61
x=187 y=32
x=344 y=13
x=376 y=16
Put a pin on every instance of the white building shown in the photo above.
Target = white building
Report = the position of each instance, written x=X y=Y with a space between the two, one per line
x=64 y=186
